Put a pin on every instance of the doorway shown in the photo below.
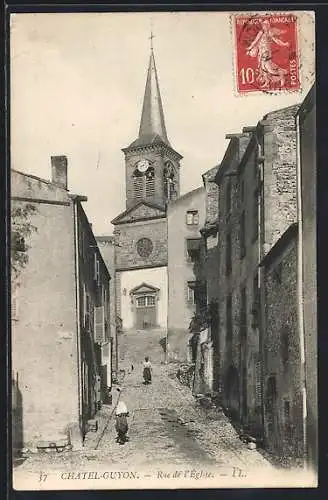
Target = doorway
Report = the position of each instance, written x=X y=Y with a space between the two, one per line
x=144 y=299
x=146 y=311
x=271 y=411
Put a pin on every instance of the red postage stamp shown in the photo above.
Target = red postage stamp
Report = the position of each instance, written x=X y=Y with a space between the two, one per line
x=266 y=52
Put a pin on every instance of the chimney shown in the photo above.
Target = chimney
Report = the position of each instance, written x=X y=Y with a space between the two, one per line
x=59 y=171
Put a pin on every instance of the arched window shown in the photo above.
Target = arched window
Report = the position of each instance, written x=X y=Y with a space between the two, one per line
x=150 y=182
x=138 y=184
x=169 y=181
x=143 y=183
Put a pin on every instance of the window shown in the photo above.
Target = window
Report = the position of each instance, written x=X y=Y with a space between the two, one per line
x=138 y=187
x=228 y=253
x=243 y=314
x=242 y=235
x=228 y=196
x=169 y=181
x=193 y=248
x=288 y=420
x=96 y=269
x=150 y=182
x=144 y=247
x=145 y=301
x=192 y=217
x=229 y=318
x=256 y=290
x=141 y=301
x=191 y=296
x=255 y=215
x=86 y=309
x=99 y=324
x=256 y=303
x=150 y=300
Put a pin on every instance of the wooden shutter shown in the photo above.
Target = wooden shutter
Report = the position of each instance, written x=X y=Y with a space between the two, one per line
x=258 y=384
x=99 y=324
x=95 y=266
x=106 y=351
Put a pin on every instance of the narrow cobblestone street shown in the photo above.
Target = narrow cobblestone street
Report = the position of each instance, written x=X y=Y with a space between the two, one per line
x=166 y=424
x=167 y=428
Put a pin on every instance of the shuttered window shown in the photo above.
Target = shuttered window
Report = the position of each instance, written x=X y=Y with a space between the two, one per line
x=150 y=187
x=96 y=269
x=99 y=324
x=138 y=187
x=258 y=384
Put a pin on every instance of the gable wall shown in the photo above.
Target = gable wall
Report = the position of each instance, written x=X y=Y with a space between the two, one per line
x=141 y=212
x=127 y=236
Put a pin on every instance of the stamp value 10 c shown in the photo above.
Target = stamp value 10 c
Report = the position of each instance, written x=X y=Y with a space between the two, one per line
x=266 y=52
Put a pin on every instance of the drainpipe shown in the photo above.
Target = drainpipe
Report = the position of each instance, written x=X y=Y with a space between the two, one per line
x=300 y=298
x=78 y=311
x=260 y=272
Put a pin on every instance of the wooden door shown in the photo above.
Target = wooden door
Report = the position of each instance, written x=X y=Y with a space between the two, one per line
x=146 y=312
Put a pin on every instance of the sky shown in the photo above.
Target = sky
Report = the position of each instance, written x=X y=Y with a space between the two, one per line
x=77 y=84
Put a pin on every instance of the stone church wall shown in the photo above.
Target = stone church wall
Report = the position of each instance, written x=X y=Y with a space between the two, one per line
x=127 y=236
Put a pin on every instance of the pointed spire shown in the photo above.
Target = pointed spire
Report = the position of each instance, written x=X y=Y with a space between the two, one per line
x=152 y=122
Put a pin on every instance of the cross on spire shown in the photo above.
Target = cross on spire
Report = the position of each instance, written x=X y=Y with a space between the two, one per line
x=151 y=35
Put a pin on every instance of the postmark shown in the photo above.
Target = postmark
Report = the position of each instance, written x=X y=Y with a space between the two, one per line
x=266 y=53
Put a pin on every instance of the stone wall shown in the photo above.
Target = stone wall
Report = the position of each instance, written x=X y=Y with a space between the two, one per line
x=282 y=361
x=48 y=322
x=44 y=336
x=308 y=180
x=127 y=236
x=279 y=151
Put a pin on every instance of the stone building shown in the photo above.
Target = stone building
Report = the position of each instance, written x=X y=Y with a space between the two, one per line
x=232 y=344
x=257 y=204
x=60 y=312
x=283 y=383
x=210 y=274
x=106 y=246
x=306 y=126
x=186 y=292
x=152 y=173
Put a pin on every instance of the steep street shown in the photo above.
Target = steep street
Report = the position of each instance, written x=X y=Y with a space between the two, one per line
x=167 y=428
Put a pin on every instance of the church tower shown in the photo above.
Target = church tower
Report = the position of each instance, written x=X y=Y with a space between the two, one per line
x=152 y=165
x=152 y=178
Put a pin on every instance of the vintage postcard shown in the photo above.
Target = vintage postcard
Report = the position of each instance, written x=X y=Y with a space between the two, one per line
x=163 y=250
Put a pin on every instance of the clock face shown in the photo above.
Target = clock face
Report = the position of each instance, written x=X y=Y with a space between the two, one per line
x=143 y=165
x=144 y=247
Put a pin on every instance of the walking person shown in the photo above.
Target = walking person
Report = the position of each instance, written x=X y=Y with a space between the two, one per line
x=147 y=369
x=121 y=421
